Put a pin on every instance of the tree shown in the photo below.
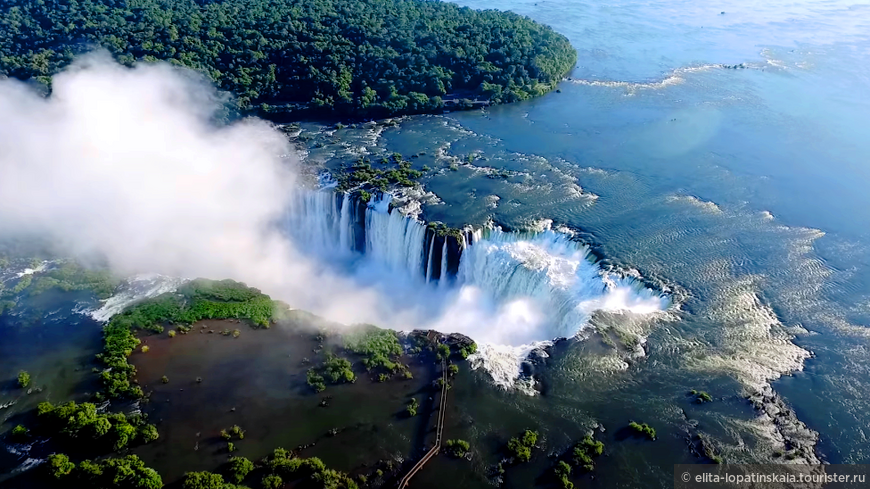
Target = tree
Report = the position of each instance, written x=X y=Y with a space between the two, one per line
x=376 y=58
x=23 y=379
x=202 y=480
x=148 y=433
x=272 y=481
x=82 y=421
x=59 y=465
x=521 y=448
x=338 y=369
x=117 y=473
x=562 y=471
x=238 y=468
x=443 y=351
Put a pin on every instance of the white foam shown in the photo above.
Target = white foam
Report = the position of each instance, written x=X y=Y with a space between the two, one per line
x=695 y=201
x=135 y=289
x=31 y=271
x=675 y=77
x=513 y=292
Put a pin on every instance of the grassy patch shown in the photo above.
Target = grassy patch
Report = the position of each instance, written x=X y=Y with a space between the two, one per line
x=196 y=300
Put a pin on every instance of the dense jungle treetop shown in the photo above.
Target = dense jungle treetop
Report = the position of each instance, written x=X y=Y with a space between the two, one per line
x=345 y=57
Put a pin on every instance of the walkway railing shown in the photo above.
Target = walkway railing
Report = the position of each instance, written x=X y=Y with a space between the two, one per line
x=438 y=430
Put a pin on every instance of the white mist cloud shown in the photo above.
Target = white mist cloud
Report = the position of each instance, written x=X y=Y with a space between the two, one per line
x=123 y=163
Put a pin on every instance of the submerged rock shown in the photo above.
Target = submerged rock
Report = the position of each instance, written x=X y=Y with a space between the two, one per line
x=798 y=439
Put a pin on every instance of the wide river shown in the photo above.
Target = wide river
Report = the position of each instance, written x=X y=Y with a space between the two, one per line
x=714 y=158
x=717 y=150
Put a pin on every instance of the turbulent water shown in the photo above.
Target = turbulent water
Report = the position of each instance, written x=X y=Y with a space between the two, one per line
x=717 y=154
x=511 y=292
x=689 y=211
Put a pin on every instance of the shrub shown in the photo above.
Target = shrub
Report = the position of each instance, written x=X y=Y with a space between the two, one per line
x=643 y=429
x=238 y=468
x=338 y=369
x=701 y=397
x=453 y=369
x=468 y=350
x=23 y=379
x=19 y=433
x=145 y=349
x=412 y=407
x=457 y=448
x=316 y=381
x=563 y=470
x=521 y=448
x=148 y=433
x=164 y=379
x=380 y=347
x=171 y=333
x=583 y=452
x=231 y=447
x=272 y=481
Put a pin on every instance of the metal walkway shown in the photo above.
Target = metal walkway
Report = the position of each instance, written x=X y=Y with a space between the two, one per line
x=439 y=429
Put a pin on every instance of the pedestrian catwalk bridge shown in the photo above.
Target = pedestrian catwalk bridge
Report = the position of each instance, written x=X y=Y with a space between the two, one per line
x=442 y=408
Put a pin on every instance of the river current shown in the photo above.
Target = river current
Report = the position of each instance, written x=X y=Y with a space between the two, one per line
x=717 y=153
x=688 y=211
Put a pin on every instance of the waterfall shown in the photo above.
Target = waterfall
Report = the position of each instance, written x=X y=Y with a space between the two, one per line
x=429 y=260
x=344 y=229
x=443 y=277
x=394 y=239
x=321 y=222
x=313 y=220
x=548 y=271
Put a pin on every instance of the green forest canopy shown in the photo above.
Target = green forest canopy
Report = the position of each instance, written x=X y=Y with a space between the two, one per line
x=355 y=57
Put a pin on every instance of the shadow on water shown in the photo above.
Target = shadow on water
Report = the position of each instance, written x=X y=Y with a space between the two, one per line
x=258 y=382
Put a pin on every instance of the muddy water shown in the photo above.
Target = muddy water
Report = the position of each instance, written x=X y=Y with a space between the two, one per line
x=258 y=381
